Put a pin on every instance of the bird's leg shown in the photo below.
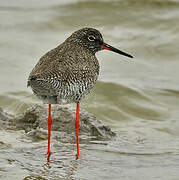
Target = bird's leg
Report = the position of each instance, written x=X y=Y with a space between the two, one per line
x=49 y=132
x=77 y=129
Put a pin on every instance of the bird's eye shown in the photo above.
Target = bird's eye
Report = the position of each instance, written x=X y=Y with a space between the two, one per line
x=91 y=38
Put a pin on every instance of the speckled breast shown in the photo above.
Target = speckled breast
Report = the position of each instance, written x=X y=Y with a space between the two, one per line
x=53 y=91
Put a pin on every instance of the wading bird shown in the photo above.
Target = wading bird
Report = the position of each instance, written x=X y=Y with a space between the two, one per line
x=67 y=73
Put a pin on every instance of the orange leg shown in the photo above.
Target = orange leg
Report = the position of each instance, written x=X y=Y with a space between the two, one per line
x=49 y=132
x=77 y=125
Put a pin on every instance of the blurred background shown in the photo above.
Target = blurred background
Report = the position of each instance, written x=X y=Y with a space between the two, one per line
x=138 y=98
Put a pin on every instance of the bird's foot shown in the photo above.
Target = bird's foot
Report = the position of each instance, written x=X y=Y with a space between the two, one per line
x=48 y=156
x=77 y=156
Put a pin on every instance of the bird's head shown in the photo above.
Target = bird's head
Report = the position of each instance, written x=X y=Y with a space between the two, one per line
x=92 y=40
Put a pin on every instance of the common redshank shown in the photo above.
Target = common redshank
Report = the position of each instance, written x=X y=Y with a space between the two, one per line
x=67 y=73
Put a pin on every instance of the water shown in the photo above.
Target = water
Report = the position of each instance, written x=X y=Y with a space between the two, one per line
x=138 y=98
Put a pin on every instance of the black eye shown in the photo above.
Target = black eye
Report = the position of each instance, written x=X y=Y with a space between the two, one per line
x=91 y=38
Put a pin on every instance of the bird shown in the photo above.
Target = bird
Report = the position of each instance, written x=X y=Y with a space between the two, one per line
x=67 y=73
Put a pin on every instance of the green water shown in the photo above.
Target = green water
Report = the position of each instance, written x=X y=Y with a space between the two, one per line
x=139 y=98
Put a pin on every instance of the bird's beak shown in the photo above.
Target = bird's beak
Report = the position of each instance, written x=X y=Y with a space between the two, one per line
x=110 y=48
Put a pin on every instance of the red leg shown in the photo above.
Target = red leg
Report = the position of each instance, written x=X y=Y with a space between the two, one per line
x=49 y=132
x=77 y=129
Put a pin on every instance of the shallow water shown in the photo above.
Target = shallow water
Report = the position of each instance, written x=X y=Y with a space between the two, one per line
x=138 y=98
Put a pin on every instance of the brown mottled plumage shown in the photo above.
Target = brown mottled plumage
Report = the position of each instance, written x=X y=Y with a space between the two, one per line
x=68 y=72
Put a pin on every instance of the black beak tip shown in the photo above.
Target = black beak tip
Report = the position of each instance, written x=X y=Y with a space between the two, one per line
x=128 y=55
x=131 y=56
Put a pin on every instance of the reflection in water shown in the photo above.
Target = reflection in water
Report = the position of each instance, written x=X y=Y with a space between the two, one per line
x=73 y=171
x=139 y=99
